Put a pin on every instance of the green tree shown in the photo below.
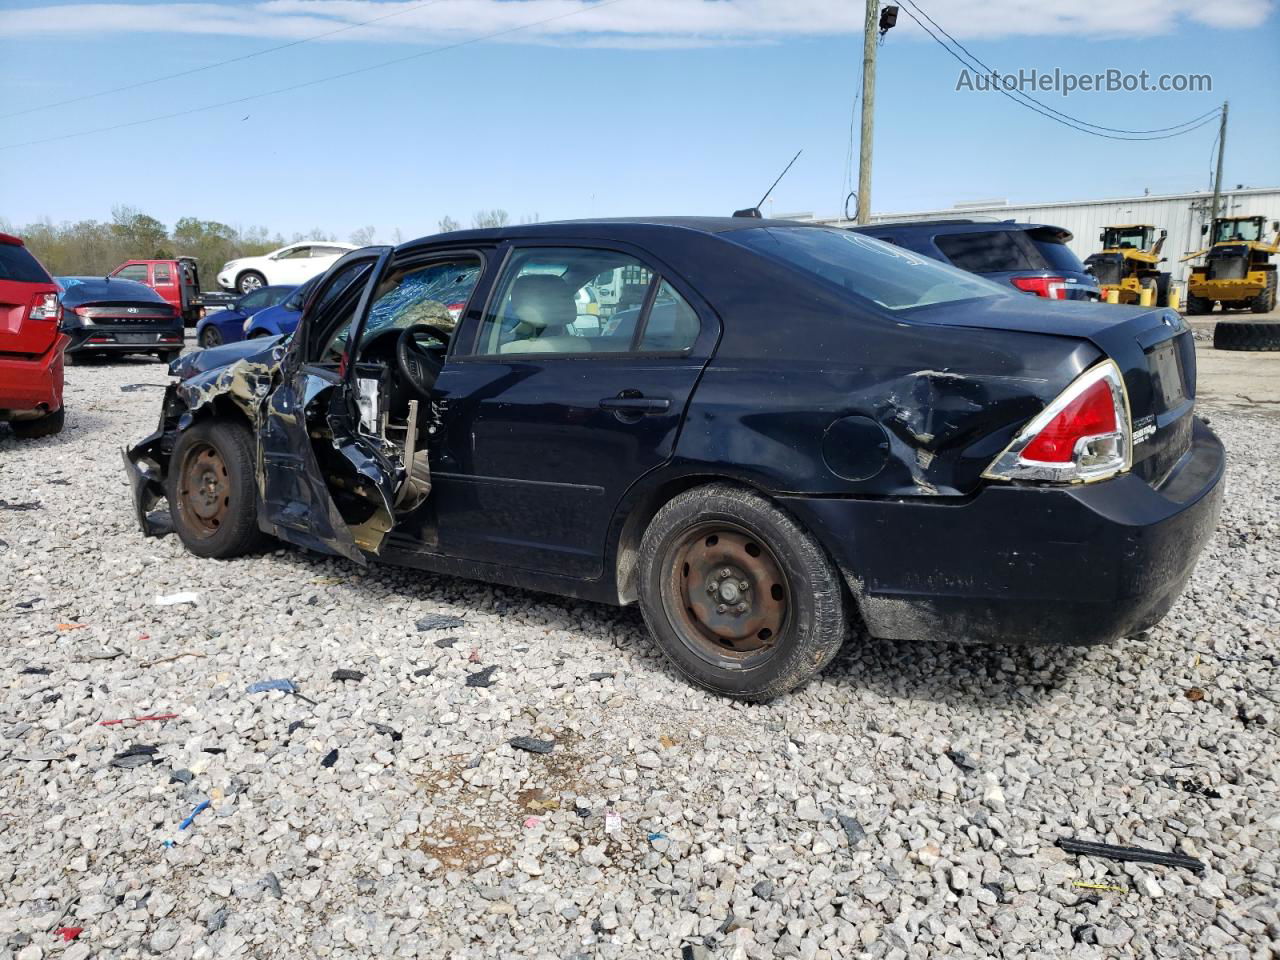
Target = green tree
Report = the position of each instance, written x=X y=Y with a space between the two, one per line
x=145 y=236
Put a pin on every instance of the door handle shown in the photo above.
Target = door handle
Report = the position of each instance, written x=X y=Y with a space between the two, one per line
x=632 y=404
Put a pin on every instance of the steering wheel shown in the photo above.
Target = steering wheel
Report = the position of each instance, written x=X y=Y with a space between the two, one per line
x=421 y=364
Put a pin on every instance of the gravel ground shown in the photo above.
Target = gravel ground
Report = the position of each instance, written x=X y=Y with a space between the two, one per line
x=904 y=805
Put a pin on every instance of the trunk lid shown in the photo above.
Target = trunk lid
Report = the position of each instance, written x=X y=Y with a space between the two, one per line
x=19 y=333
x=1152 y=346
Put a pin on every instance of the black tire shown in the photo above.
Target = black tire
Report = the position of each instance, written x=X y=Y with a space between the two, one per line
x=762 y=544
x=213 y=500
x=83 y=359
x=1198 y=306
x=1265 y=302
x=1162 y=289
x=46 y=426
x=210 y=336
x=1257 y=335
x=249 y=281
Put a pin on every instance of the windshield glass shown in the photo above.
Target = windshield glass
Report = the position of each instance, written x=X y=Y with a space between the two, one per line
x=1129 y=238
x=1246 y=230
x=888 y=275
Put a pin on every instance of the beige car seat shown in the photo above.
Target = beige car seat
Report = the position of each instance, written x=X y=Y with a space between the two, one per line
x=544 y=306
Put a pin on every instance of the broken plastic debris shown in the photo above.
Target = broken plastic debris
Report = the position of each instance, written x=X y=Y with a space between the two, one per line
x=200 y=807
x=852 y=829
x=175 y=598
x=424 y=672
x=137 y=755
x=348 y=675
x=445 y=643
x=532 y=744
x=656 y=835
x=180 y=776
x=1109 y=851
x=330 y=758
x=72 y=626
x=603 y=675
x=532 y=821
x=19 y=507
x=612 y=821
x=152 y=716
x=262 y=686
x=438 y=621
x=481 y=678
x=293 y=727
x=68 y=933
x=961 y=761
x=395 y=735
x=36 y=671
x=1098 y=886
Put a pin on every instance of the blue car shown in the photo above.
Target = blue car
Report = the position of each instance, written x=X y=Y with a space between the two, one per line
x=282 y=318
x=228 y=326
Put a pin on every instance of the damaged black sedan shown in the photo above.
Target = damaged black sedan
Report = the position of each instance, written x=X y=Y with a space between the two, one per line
x=765 y=434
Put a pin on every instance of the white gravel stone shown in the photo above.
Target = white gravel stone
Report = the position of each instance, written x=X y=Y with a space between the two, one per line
x=954 y=768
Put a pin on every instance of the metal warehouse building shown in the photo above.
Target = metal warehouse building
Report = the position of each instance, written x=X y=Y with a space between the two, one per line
x=1180 y=213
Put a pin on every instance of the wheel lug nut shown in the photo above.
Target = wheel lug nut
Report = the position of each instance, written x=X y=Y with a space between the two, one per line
x=743 y=585
x=721 y=608
x=742 y=608
x=712 y=587
x=724 y=572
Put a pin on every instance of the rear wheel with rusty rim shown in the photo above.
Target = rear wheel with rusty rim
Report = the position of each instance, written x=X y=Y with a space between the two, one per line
x=725 y=593
x=740 y=597
x=212 y=490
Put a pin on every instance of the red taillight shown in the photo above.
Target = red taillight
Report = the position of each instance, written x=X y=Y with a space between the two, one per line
x=1051 y=288
x=45 y=307
x=1083 y=435
x=1090 y=414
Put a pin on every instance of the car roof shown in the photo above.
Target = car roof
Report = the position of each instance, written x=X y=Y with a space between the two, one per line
x=614 y=228
x=935 y=227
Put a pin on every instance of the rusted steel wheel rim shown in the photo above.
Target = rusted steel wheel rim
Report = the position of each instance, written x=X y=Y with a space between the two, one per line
x=204 y=489
x=725 y=593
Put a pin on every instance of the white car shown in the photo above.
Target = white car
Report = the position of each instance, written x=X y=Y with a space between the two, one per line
x=297 y=263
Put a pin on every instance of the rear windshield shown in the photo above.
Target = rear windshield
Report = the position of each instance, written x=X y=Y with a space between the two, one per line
x=1056 y=253
x=17 y=263
x=992 y=251
x=887 y=275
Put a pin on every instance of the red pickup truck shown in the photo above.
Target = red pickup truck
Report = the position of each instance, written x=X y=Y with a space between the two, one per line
x=177 y=280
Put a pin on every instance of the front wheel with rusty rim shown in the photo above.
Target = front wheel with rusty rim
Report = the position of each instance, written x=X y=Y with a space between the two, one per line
x=743 y=600
x=212 y=491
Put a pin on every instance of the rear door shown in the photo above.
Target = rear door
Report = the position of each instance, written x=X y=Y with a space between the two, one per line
x=297 y=503
x=552 y=404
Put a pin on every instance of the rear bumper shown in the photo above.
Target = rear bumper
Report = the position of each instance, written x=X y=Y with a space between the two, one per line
x=31 y=387
x=1022 y=564
x=126 y=338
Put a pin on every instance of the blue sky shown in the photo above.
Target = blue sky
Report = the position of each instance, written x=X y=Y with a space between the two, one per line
x=635 y=107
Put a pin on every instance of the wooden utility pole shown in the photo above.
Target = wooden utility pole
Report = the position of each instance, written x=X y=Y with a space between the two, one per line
x=869 y=36
x=1217 y=179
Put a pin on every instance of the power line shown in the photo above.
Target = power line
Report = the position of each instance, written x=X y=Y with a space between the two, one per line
x=220 y=63
x=1057 y=116
x=318 y=80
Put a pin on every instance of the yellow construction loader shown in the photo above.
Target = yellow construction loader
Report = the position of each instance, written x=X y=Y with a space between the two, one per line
x=1130 y=264
x=1237 y=271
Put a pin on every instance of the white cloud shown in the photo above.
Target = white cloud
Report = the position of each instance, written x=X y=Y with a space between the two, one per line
x=629 y=23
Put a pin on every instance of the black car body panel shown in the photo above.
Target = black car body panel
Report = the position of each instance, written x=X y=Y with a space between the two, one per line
x=1004 y=251
x=105 y=315
x=872 y=426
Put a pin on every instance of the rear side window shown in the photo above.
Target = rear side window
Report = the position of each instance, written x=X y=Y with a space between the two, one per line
x=892 y=277
x=160 y=272
x=991 y=252
x=17 y=263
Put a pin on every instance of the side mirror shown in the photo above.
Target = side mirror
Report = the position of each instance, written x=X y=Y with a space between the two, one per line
x=1163 y=234
x=1102 y=237
x=1275 y=224
x=1204 y=229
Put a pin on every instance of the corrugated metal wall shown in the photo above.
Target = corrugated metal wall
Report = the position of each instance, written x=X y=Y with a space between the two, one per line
x=1180 y=214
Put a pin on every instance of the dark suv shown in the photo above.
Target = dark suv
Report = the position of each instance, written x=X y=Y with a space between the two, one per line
x=1033 y=257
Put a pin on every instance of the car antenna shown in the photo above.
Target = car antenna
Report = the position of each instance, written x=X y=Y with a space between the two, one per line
x=755 y=211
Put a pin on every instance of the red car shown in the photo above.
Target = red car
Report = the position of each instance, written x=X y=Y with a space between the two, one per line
x=31 y=343
x=177 y=280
